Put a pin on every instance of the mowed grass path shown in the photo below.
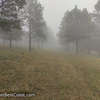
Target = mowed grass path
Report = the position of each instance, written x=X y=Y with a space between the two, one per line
x=50 y=75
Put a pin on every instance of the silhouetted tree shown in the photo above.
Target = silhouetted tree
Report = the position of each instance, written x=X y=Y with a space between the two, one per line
x=76 y=25
x=36 y=22
x=9 y=20
x=97 y=6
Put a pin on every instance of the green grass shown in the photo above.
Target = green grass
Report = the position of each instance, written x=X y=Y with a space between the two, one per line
x=51 y=75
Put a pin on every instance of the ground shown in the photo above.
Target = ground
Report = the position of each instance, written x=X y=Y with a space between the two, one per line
x=50 y=75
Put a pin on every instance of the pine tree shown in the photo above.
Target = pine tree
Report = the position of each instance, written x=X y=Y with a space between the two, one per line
x=20 y=3
x=36 y=22
x=97 y=6
x=9 y=20
x=76 y=25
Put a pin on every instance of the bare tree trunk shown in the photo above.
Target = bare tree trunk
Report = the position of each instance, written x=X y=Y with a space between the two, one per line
x=3 y=42
x=30 y=34
x=40 y=44
x=2 y=3
x=10 y=43
x=77 y=46
x=30 y=42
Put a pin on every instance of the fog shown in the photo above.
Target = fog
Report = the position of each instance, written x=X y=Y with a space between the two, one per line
x=54 y=10
x=69 y=25
x=50 y=49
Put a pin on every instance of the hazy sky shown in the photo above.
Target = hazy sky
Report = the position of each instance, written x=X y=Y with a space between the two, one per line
x=55 y=9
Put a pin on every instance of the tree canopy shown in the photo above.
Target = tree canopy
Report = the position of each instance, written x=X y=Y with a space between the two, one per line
x=76 y=25
x=37 y=24
x=97 y=6
x=9 y=19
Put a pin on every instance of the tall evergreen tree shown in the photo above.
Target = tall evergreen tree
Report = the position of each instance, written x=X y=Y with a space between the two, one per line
x=76 y=25
x=9 y=20
x=36 y=22
x=97 y=6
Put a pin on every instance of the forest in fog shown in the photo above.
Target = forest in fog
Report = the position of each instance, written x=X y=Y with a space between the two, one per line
x=44 y=56
x=22 y=25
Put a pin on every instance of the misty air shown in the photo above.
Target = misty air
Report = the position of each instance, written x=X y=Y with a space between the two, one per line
x=49 y=50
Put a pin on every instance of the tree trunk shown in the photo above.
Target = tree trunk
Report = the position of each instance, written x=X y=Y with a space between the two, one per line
x=2 y=3
x=30 y=42
x=10 y=43
x=40 y=44
x=3 y=42
x=77 y=46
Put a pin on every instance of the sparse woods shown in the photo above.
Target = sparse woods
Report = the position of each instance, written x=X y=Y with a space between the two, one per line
x=37 y=25
x=81 y=30
x=23 y=20
x=56 y=65
x=11 y=20
x=76 y=25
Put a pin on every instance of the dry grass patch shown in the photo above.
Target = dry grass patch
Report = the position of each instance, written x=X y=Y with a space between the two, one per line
x=52 y=76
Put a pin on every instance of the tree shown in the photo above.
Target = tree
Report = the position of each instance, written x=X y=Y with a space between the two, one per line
x=9 y=20
x=19 y=3
x=96 y=37
x=36 y=22
x=97 y=6
x=76 y=25
x=96 y=15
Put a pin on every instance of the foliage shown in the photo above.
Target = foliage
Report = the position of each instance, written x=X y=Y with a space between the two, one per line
x=37 y=24
x=97 y=6
x=76 y=25
x=9 y=19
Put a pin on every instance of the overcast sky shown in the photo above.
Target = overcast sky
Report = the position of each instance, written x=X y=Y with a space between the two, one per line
x=55 y=9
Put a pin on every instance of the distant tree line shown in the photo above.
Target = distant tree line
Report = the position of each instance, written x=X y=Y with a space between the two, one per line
x=79 y=29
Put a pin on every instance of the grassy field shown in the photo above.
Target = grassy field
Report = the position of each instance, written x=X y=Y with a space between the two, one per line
x=50 y=75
